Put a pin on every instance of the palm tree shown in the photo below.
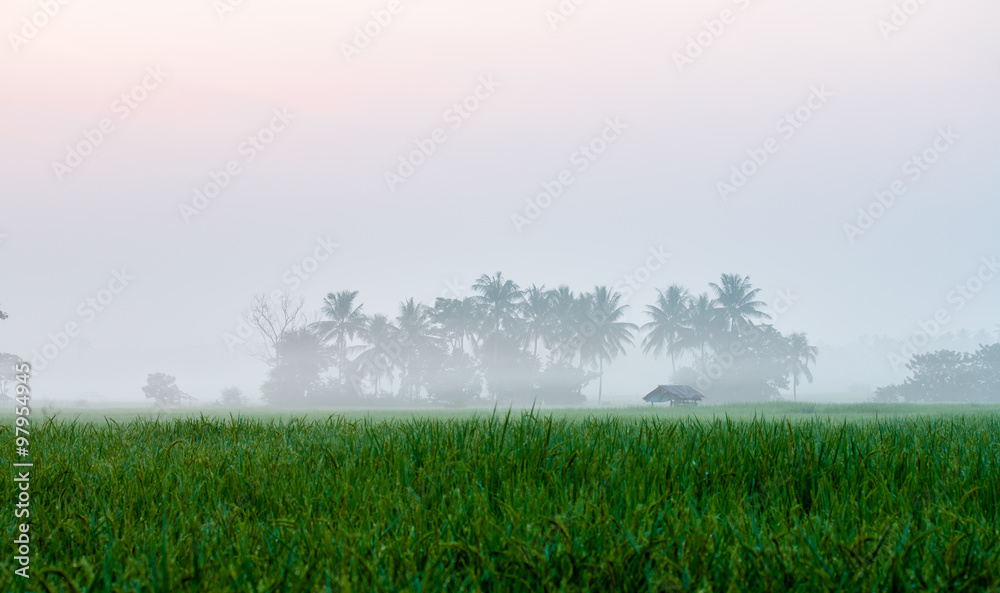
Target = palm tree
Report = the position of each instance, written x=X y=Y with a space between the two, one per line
x=668 y=317
x=415 y=338
x=537 y=310
x=378 y=361
x=500 y=302
x=702 y=324
x=800 y=355
x=563 y=308
x=735 y=296
x=344 y=322
x=457 y=319
x=466 y=320
x=444 y=316
x=610 y=335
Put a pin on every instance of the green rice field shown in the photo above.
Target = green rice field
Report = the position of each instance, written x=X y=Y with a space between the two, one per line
x=769 y=498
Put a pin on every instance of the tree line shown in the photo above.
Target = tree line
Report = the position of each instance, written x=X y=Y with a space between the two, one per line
x=949 y=376
x=516 y=344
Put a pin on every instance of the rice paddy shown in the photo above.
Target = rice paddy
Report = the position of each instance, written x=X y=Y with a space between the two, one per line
x=516 y=501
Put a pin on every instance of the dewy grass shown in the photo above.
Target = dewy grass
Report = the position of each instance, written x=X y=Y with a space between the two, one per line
x=513 y=502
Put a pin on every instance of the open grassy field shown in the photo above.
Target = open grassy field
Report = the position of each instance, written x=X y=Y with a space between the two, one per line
x=743 y=498
x=771 y=410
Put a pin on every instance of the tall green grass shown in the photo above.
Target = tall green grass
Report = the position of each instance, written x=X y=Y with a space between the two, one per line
x=513 y=502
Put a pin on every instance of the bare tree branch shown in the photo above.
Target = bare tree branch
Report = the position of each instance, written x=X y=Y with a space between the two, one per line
x=273 y=319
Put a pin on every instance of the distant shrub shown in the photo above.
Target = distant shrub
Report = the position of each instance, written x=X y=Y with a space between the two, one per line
x=162 y=388
x=295 y=377
x=232 y=397
x=562 y=385
x=949 y=376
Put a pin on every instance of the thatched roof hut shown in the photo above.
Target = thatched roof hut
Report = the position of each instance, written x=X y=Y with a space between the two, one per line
x=677 y=395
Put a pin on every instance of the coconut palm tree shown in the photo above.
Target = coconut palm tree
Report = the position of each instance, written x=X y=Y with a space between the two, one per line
x=536 y=309
x=500 y=302
x=380 y=358
x=443 y=315
x=344 y=322
x=563 y=308
x=610 y=334
x=800 y=355
x=466 y=319
x=983 y=337
x=668 y=317
x=415 y=338
x=456 y=320
x=702 y=324
x=735 y=296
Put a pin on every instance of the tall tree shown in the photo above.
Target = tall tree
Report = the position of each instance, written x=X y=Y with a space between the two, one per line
x=162 y=388
x=500 y=300
x=344 y=322
x=702 y=325
x=564 y=311
x=456 y=320
x=537 y=311
x=800 y=355
x=295 y=377
x=668 y=315
x=736 y=297
x=983 y=336
x=377 y=361
x=610 y=335
x=273 y=318
x=415 y=338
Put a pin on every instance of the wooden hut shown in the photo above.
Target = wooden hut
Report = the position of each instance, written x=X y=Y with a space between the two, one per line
x=677 y=395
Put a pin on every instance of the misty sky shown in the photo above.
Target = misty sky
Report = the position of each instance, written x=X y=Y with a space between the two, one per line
x=114 y=114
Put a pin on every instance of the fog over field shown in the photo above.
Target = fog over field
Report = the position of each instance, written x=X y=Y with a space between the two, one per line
x=164 y=165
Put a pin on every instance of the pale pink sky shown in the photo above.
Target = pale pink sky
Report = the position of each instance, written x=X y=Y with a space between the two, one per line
x=324 y=175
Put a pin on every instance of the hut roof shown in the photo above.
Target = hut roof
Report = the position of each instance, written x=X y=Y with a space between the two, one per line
x=666 y=393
